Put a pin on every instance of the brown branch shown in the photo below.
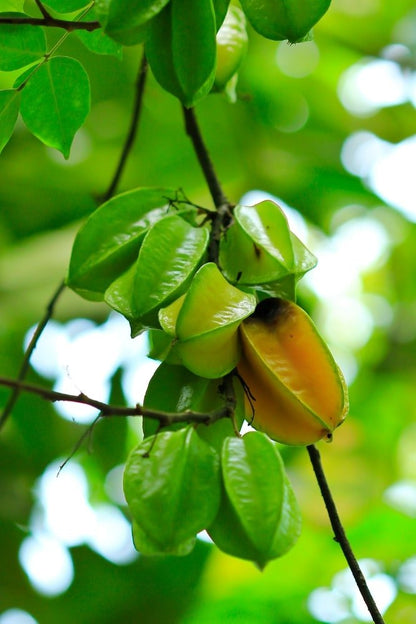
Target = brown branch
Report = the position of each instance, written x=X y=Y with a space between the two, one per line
x=135 y=118
x=340 y=535
x=42 y=9
x=165 y=418
x=28 y=353
x=222 y=217
x=51 y=22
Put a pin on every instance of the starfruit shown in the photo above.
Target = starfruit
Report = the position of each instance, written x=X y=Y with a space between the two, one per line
x=172 y=486
x=259 y=250
x=258 y=518
x=204 y=323
x=284 y=19
x=298 y=392
x=231 y=46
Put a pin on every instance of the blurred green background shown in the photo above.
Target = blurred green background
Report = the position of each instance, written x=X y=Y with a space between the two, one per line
x=328 y=128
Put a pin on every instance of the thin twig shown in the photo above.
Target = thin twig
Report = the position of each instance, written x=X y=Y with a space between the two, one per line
x=87 y=434
x=340 y=535
x=51 y=22
x=28 y=353
x=165 y=418
x=135 y=118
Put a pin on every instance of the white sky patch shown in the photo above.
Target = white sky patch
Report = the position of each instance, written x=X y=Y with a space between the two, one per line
x=16 y=616
x=406 y=576
x=47 y=564
x=111 y=537
x=372 y=84
x=343 y=599
x=82 y=357
x=392 y=177
x=402 y=496
x=67 y=514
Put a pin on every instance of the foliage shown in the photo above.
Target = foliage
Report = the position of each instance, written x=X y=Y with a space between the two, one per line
x=145 y=249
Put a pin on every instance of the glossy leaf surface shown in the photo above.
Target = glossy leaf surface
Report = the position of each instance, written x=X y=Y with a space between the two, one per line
x=126 y=19
x=108 y=243
x=20 y=44
x=172 y=486
x=9 y=109
x=66 y=6
x=169 y=256
x=97 y=40
x=258 y=517
x=220 y=8
x=284 y=19
x=56 y=101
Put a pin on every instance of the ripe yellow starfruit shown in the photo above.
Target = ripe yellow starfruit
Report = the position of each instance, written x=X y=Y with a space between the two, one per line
x=298 y=392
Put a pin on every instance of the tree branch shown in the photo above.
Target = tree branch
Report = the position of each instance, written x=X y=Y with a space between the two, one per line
x=201 y=151
x=340 y=535
x=28 y=353
x=165 y=418
x=223 y=215
x=135 y=118
x=51 y=22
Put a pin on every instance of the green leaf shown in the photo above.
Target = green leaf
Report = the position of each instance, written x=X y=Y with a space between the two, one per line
x=108 y=243
x=20 y=44
x=257 y=248
x=168 y=258
x=56 y=101
x=66 y=6
x=9 y=109
x=284 y=19
x=258 y=517
x=194 y=47
x=172 y=487
x=220 y=8
x=97 y=41
x=11 y=5
x=127 y=19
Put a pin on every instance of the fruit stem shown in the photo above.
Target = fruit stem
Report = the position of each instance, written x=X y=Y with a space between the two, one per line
x=340 y=535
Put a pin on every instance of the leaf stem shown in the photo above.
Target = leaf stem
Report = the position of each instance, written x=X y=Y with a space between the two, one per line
x=340 y=535
x=135 y=118
x=28 y=353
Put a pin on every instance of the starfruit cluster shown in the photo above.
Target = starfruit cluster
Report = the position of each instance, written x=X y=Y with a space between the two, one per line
x=195 y=46
x=146 y=253
x=184 y=480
